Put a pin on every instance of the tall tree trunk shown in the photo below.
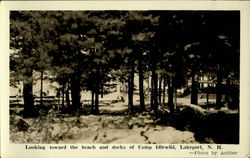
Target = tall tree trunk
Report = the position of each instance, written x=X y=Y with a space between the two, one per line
x=63 y=94
x=219 y=89
x=164 y=89
x=131 y=92
x=152 y=92
x=175 y=97
x=102 y=90
x=96 y=110
x=92 y=101
x=141 y=91
x=155 y=90
x=194 y=91
x=67 y=95
x=29 y=110
x=160 y=89
x=41 y=89
x=228 y=97
x=97 y=87
x=234 y=97
x=231 y=95
x=148 y=92
x=75 y=93
x=207 y=93
x=170 y=94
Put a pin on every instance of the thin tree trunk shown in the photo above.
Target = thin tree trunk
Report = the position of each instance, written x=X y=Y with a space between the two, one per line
x=152 y=93
x=131 y=92
x=194 y=93
x=228 y=97
x=207 y=93
x=160 y=89
x=175 y=97
x=148 y=92
x=63 y=93
x=164 y=89
x=142 y=102
x=97 y=90
x=92 y=101
x=170 y=94
x=96 y=110
x=41 y=89
x=102 y=90
x=155 y=90
x=219 y=89
x=67 y=97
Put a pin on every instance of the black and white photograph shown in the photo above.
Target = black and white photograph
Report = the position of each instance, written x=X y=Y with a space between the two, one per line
x=124 y=77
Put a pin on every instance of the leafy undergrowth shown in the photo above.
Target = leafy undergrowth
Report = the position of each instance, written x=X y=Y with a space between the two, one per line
x=140 y=128
x=209 y=125
x=188 y=124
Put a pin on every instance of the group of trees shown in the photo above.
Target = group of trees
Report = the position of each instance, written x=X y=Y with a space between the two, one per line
x=84 y=50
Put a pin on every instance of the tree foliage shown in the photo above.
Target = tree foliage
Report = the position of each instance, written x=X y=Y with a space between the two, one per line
x=85 y=50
